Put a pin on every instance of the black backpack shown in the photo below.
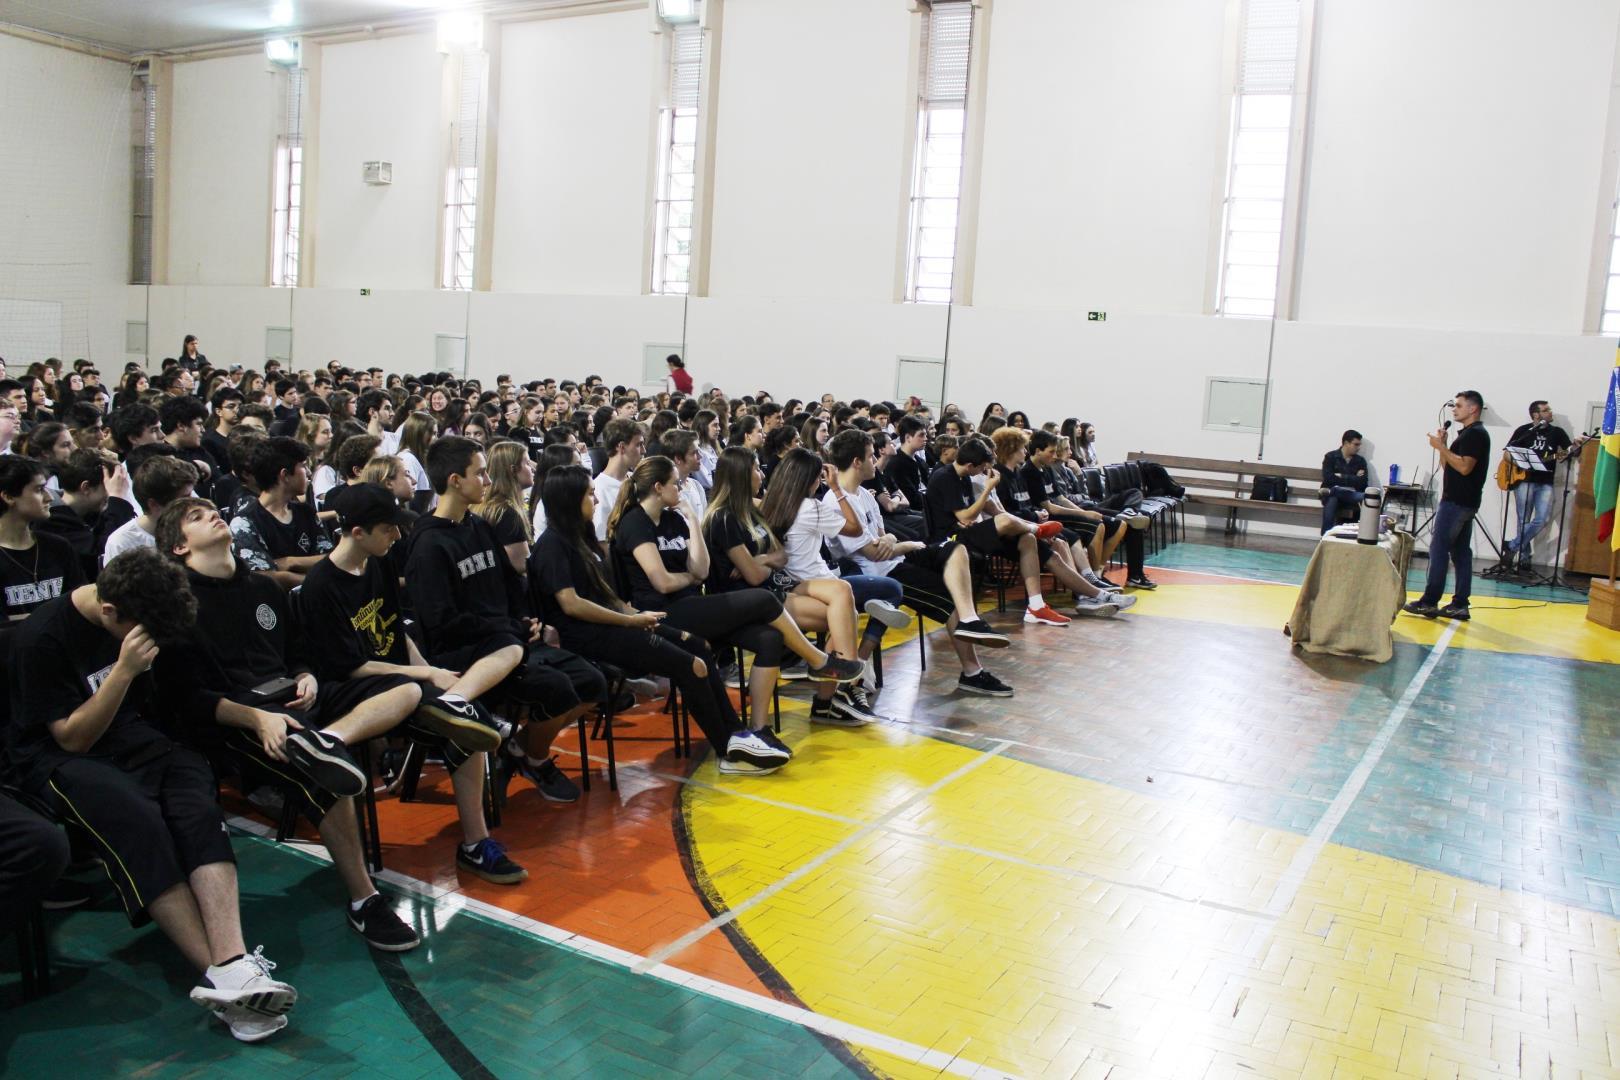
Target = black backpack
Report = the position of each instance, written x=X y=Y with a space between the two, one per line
x=1270 y=489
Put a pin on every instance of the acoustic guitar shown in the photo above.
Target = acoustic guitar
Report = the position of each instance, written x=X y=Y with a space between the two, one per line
x=1510 y=476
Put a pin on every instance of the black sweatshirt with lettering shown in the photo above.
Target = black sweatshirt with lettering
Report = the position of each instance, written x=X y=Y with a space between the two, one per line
x=461 y=585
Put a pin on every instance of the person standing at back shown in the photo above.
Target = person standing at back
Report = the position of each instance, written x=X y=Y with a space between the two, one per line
x=1453 y=536
x=679 y=380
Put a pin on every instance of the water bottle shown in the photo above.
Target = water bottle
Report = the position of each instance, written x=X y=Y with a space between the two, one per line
x=1394 y=474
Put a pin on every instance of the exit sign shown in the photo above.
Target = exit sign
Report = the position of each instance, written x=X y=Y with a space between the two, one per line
x=1096 y=316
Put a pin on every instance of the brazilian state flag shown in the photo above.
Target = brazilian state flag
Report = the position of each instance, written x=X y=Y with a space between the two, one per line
x=1606 y=478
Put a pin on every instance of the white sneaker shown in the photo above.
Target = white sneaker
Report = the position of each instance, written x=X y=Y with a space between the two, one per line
x=745 y=748
x=249 y=1027
x=1101 y=607
x=245 y=984
x=887 y=614
x=1121 y=600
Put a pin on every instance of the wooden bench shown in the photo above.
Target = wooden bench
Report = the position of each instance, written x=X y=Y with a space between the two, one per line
x=1214 y=482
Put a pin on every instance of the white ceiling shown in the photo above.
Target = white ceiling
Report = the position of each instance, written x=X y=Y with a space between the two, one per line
x=138 y=26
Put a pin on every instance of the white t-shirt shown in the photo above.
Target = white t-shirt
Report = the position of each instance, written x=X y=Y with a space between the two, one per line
x=127 y=537
x=389 y=444
x=607 y=493
x=539 y=518
x=418 y=475
x=871 y=515
x=815 y=522
x=326 y=478
x=694 y=496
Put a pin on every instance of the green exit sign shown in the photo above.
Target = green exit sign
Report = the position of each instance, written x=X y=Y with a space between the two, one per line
x=1096 y=316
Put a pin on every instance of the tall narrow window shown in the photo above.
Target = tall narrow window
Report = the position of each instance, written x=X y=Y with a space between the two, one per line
x=674 y=200
x=287 y=210
x=1257 y=165
x=936 y=185
x=461 y=178
x=143 y=174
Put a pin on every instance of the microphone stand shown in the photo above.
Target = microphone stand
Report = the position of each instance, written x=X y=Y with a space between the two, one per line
x=1434 y=462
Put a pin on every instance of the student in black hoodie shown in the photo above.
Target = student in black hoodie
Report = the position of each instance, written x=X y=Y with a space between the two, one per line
x=95 y=503
x=472 y=608
x=243 y=691
x=350 y=611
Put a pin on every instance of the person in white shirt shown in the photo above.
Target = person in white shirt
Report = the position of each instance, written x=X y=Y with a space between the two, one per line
x=681 y=447
x=158 y=481
x=625 y=441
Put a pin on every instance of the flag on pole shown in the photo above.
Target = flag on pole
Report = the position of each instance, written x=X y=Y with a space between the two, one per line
x=1606 y=477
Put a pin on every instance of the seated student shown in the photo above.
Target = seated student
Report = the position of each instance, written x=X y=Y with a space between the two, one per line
x=278 y=533
x=1058 y=491
x=227 y=410
x=662 y=556
x=778 y=441
x=956 y=512
x=84 y=740
x=35 y=568
x=157 y=479
x=899 y=515
x=625 y=442
x=375 y=410
x=234 y=489
x=1344 y=478
x=471 y=609
x=88 y=424
x=936 y=581
x=909 y=466
x=33 y=854
x=1070 y=557
x=245 y=640
x=817 y=598
x=568 y=579
x=554 y=456
x=134 y=425
x=95 y=502
x=353 y=455
x=681 y=447
x=511 y=475
x=350 y=608
x=181 y=419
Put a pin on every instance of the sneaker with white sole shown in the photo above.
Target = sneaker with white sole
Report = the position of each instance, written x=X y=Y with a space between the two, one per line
x=752 y=753
x=979 y=632
x=326 y=761
x=488 y=860
x=1098 y=607
x=855 y=703
x=775 y=742
x=887 y=614
x=983 y=683
x=249 y=1027
x=1121 y=600
x=459 y=720
x=382 y=929
x=244 y=984
x=1045 y=615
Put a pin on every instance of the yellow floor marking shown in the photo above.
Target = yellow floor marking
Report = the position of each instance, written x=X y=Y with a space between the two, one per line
x=1499 y=624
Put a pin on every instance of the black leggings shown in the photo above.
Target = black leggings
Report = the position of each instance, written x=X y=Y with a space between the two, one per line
x=741 y=618
x=663 y=652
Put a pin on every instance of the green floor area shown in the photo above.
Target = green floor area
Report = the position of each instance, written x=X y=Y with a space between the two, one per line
x=477 y=999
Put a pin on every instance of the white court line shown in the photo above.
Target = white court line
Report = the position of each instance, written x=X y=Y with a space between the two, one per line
x=841 y=1030
x=1293 y=878
x=664 y=952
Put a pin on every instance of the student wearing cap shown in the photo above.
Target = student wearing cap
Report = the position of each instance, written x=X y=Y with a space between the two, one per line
x=349 y=609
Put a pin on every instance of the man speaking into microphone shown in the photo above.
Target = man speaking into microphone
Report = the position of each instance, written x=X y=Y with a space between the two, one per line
x=1453 y=536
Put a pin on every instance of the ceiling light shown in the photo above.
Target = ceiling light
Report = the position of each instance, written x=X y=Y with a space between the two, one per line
x=283 y=51
x=677 y=10
x=459 y=31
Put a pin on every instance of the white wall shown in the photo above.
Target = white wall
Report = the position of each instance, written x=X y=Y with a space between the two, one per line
x=576 y=129
x=64 y=203
x=380 y=101
x=1455 y=162
x=810 y=127
x=222 y=135
x=1101 y=125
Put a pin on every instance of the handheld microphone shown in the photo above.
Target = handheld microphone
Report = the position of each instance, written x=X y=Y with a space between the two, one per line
x=1446 y=426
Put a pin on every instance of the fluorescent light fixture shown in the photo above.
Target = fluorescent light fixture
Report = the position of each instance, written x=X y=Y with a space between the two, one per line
x=283 y=51
x=460 y=30
x=677 y=10
x=281 y=13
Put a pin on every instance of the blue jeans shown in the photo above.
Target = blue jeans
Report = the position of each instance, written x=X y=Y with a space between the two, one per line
x=1533 y=502
x=870 y=587
x=1452 y=541
x=1334 y=499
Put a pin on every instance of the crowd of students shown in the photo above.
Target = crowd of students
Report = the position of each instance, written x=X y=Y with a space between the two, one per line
x=221 y=573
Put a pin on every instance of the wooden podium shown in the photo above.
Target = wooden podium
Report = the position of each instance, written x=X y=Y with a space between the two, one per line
x=1586 y=554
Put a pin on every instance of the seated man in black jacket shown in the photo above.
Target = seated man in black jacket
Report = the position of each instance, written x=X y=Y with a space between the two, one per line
x=1344 y=478
x=243 y=688
x=472 y=607
x=95 y=503
x=909 y=469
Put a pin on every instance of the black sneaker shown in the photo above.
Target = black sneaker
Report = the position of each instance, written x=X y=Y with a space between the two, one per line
x=980 y=632
x=852 y=701
x=1455 y=611
x=770 y=739
x=382 y=929
x=837 y=670
x=460 y=721
x=488 y=860
x=983 y=683
x=1141 y=582
x=750 y=752
x=65 y=894
x=1418 y=607
x=550 y=780
x=326 y=761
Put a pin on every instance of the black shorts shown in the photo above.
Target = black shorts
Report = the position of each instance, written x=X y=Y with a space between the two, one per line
x=152 y=824
x=982 y=537
x=922 y=579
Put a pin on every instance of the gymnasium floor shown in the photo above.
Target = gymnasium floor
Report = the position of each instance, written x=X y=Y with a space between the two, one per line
x=1221 y=859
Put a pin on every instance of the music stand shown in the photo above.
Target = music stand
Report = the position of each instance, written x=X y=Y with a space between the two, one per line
x=1527 y=461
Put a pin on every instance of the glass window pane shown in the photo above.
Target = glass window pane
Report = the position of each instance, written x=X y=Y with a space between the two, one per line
x=1611 y=299
x=1611 y=322
x=1265 y=110
x=1260 y=148
x=942 y=182
x=1252 y=282
x=946 y=121
x=1258 y=181
x=1255 y=214
x=1259 y=309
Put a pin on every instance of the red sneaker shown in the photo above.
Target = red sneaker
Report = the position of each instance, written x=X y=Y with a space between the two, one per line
x=1048 y=529
x=1046 y=615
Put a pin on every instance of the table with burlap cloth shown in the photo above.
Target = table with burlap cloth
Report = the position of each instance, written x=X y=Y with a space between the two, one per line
x=1350 y=597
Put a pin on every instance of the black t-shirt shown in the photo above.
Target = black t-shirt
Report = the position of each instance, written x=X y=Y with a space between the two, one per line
x=671 y=539
x=260 y=539
x=31 y=579
x=1015 y=494
x=1475 y=442
x=351 y=619
x=508 y=528
x=557 y=565
x=947 y=494
x=721 y=533
x=1037 y=484
x=534 y=439
x=58 y=661
x=1546 y=443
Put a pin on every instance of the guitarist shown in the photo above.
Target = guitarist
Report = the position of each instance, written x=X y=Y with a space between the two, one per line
x=1533 y=495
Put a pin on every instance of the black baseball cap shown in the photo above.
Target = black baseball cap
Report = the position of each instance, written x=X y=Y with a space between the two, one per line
x=365 y=506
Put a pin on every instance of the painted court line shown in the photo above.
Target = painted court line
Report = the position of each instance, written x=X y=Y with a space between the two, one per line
x=1293 y=878
x=664 y=952
x=841 y=1030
